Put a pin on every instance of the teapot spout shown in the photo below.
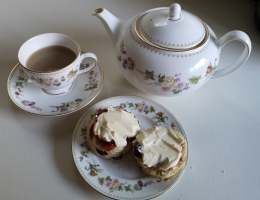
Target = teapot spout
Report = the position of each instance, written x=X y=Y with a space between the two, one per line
x=112 y=23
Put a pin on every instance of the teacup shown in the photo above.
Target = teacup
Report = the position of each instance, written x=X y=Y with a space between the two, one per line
x=57 y=80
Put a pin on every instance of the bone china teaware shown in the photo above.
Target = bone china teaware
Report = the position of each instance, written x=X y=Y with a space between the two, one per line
x=169 y=51
x=56 y=81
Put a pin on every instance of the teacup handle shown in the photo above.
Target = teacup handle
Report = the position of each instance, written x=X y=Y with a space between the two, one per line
x=228 y=37
x=89 y=67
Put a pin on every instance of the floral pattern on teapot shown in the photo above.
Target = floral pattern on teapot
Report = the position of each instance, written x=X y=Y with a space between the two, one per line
x=174 y=84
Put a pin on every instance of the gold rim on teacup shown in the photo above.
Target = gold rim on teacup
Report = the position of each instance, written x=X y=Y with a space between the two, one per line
x=69 y=37
x=74 y=68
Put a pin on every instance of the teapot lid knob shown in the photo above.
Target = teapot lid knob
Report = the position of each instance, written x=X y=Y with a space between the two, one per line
x=175 y=12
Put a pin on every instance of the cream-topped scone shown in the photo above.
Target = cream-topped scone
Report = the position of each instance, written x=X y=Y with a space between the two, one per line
x=160 y=151
x=111 y=132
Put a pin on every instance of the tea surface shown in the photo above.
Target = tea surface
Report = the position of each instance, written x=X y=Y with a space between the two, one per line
x=50 y=58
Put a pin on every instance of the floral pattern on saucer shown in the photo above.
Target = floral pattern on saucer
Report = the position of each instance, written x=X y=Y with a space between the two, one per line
x=20 y=83
x=32 y=99
x=64 y=107
x=92 y=83
x=108 y=176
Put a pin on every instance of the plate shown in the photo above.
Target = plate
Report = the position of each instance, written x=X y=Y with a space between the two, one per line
x=34 y=100
x=123 y=179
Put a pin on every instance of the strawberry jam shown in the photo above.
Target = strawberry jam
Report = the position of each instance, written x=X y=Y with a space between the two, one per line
x=137 y=150
x=100 y=111
x=130 y=140
x=108 y=146
x=103 y=153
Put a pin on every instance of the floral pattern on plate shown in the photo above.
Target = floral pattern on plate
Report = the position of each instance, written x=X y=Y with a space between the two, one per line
x=109 y=176
x=174 y=84
x=146 y=108
x=32 y=99
x=113 y=184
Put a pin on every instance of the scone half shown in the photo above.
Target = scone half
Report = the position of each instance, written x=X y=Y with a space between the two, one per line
x=160 y=151
x=111 y=132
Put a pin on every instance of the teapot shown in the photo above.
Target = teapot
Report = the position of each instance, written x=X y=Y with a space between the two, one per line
x=168 y=51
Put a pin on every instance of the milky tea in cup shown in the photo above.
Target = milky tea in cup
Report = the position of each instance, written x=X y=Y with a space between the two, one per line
x=52 y=61
x=50 y=58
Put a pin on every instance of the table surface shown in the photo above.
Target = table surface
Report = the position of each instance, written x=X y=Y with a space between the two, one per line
x=221 y=119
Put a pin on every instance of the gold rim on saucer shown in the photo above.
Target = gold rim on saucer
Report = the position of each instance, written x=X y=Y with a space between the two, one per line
x=9 y=88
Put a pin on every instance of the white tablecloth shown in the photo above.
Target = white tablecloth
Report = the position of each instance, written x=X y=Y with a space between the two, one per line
x=221 y=120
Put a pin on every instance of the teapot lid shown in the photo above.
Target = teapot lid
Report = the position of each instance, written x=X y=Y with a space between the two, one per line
x=171 y=29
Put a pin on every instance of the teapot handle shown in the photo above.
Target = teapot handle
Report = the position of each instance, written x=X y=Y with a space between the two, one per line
x=228 y=37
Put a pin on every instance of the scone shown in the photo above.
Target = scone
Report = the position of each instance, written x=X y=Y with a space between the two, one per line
x=160 y=151
x=111 y=132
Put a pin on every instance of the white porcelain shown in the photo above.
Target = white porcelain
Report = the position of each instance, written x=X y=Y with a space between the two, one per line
x=59 y=81
x=34 y=100
x=123 y=179
x=169 y=51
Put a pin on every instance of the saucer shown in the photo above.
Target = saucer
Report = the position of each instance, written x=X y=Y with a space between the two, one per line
x=123 y=179
x=34 y=100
